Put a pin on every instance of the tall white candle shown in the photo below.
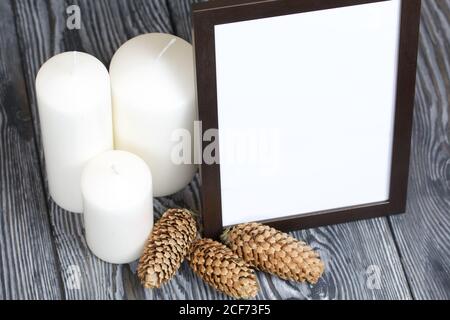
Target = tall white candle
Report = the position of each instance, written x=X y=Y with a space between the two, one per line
x=118 y=206
x=74 y=102
x=153 y=90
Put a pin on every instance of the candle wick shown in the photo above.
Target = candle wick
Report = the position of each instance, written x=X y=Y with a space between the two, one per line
x=164 y=50
x=114 y=169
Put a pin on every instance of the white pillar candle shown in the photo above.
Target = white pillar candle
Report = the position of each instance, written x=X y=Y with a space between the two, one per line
x=74 y=101
x=118 y=206
x=153 y=90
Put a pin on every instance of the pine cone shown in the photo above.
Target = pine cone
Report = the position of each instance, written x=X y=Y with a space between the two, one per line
x=167 y=247
x=274 y=252
x=218 y=266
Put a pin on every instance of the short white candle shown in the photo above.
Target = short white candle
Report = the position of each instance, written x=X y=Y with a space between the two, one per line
x=118 y=206
x=74 y=100
x=153 y=90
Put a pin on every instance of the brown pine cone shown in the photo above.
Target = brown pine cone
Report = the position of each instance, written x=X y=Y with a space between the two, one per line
x=167 y=247
x=274 y=252
x=218 y=266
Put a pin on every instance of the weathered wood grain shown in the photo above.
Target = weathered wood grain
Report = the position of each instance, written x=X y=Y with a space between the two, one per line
x=181 y=17
x=106 y=24
x=28 y=266
x=423 y=233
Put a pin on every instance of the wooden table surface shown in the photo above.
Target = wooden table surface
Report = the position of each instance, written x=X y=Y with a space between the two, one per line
x=43 y=253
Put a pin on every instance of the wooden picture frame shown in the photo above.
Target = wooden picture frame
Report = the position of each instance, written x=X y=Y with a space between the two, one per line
x=207 y=16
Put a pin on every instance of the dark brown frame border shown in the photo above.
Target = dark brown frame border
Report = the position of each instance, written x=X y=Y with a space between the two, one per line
x=207 y=15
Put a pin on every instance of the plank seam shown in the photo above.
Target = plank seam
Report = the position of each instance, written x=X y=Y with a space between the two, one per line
x=400 y=256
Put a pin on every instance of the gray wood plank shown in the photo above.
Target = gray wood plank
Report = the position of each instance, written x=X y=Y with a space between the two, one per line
x=28 y=266
x=423 y=233
x=106 y=24
x=352 y=252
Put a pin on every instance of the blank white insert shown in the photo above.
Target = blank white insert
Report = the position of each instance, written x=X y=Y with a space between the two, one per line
x=325 y=81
